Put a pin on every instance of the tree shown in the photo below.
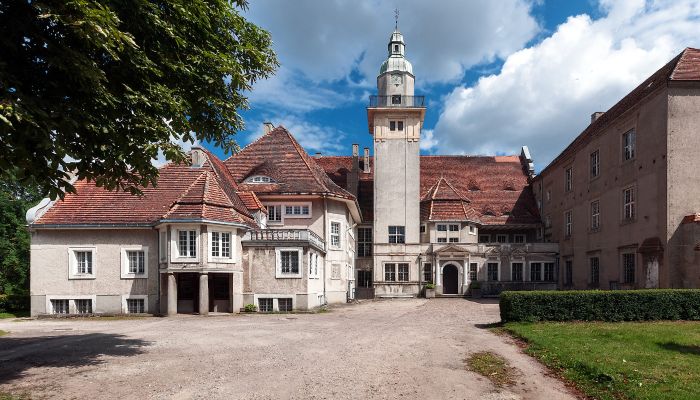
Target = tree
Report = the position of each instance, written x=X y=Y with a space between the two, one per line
x=99 y=87
x=15 y=200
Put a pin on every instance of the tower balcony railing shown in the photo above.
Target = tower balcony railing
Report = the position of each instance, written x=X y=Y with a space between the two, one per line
x=397 y=100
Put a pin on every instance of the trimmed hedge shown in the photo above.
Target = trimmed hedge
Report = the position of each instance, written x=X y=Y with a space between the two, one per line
x=14 y=302
x=599 y=305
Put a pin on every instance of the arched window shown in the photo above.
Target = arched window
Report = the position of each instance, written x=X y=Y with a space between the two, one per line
x=259 y=179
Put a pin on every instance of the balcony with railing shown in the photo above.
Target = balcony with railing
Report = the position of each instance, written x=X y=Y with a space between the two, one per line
x=397 y=100
x=283 y=237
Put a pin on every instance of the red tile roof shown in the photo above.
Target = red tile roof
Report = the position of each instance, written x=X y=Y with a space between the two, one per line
x=337 y=168
x=182 y=192
x=684 y=67
x=278 y=155
x=494 y=190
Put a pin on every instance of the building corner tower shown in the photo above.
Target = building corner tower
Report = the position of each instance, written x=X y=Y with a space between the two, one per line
x=395 y=116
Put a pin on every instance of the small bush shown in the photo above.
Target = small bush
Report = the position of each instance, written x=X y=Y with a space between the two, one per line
x=14 y=302
x=597 y=305
x=430 y=286
x=475 y=285
x=250 y=308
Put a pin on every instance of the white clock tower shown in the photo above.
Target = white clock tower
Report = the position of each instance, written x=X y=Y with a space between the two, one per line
x=395 y=118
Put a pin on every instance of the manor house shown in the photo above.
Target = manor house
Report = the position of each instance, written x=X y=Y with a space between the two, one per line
x=275 y=227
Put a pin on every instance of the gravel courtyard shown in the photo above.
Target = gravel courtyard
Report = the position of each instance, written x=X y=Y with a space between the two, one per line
x=375 y=350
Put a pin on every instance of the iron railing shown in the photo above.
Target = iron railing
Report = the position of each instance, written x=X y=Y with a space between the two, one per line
x=397 y=100
x=284 y=235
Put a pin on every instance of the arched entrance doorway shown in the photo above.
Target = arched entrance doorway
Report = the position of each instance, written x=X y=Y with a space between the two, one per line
x=450 y=279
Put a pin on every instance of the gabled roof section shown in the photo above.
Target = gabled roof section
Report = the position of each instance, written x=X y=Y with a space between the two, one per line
x=443 y=190
x=684 y=67
x=282 y=158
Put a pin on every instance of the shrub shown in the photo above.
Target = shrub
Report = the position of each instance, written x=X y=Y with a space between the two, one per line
x=250 y=308
x=475 y=285
x=14 y=302
x=430 y=286
x=597 y=305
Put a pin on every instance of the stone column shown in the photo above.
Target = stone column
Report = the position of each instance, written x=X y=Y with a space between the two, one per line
x=172 y=294
x=203 y=293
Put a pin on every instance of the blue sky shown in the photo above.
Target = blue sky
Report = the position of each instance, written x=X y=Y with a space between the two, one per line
x=497 y=74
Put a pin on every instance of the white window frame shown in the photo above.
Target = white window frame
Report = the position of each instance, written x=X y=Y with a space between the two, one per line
x=175 y=241
x=629 y=150
x=232 y=243
x=278 y=263
x=569 y=179
x=278 y=211
x=72 y=310
x=568 y=223
x=259 y=179
x=125 y=262
x=396 y=273
x=595 y=216
x=301 y=206
x=144 y=297
x=397 y=235
x=275 y=297
x=476 y=271
x=332 y=236
x=594 y=164
x=631 y=205
x=73 y=263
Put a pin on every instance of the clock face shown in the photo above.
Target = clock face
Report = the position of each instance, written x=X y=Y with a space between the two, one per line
x=396 y=79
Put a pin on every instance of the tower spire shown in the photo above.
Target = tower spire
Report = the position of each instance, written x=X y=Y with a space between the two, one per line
x=396 y=18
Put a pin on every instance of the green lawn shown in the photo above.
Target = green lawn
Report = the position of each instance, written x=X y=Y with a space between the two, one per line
x=626 y=360
x=16 y=314
x=3 y=333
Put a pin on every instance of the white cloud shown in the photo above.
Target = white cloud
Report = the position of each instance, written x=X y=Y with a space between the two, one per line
x=544 y=94
x=313 y=138
x=427 y=140
x=185 y=146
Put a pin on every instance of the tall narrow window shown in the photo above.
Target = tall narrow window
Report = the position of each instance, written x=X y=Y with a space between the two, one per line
x=628 y=267
x=428 y=273
x=137 y=261
x=83 y=262
x=492 y=271
x=568 y=223
x=221 y=244
x=595 y=164
x=569 y=179
x=392 y=125
x=215 y=251
x=628 y=145
x=364 y=242
x=390 y=272
x=595 y=270
x=535 y=271
x=595 y=215
x=397 y=234
x=335 y=234
x=473 y=268
x=187 y=243
x=516 y=271
x=274 y=213
x=399 y=125
x=549 y=275
x=163 y=246
x=403 y=272
x=628 y=199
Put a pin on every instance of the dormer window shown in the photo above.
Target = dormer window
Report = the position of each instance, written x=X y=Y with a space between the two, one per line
x=396 y=48
x=259 y=179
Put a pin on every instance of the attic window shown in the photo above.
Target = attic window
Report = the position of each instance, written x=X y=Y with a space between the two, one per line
x=509 y=185
x=473 y=186
x=259 y=179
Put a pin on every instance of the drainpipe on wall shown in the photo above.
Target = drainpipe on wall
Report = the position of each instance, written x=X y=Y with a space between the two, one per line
x=158 y=271
x=325 y=246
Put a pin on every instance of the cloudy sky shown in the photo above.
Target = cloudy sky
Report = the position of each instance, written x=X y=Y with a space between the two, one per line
x=497 y=74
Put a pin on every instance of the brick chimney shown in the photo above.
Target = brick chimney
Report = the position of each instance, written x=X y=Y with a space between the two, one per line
x=267 y=127
x=353 y=175
x=365 y=164
x=596 y=115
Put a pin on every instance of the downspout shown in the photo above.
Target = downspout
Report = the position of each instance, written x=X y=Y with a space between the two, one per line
x=158 y=271
x=325 y=246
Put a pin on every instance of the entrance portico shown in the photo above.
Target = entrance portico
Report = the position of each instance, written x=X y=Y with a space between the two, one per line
x=451 y=274
x=197 y=292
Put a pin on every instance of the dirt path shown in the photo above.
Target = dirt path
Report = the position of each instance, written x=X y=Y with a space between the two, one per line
x=376 y=350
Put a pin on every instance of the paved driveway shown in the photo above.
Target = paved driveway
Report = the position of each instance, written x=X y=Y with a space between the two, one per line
x=375 y=350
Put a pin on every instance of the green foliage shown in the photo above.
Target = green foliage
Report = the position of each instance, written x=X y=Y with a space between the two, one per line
x=11 y=303
x=100 y=87
x=430 y=286
x=595 y=305
x=475 y=285
x=619 y=360
x=15 y=200
x=250 y=308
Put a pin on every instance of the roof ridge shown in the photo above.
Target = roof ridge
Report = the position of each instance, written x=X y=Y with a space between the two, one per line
x=299 y=150
x=184 y=193
x=252 y=143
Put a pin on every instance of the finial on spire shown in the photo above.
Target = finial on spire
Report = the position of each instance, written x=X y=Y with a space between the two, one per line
x=396 y=17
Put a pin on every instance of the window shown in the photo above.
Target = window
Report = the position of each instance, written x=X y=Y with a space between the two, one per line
x=595 y=164
x=492 y=271
x=428 y=273
x=422 y=229
x=628 y=145
x=135 y=306
x=59 y=306
x=517 y=271
x=442 y=240
x=454 y=228
x=221 y=244
x=484 y=238
x=595 y=215
x=297 y=210
x=335 y=234
x=549 y=195
x=399 y=124
x=265 y=305
x=454 y=240
x=136 y=262
x=284 y=304
x=396 y=48
x=83 y=262
x=390 y=272
x=187 y=243
x=549 y=272
x=392 y=125
x=595 y=270
x=364 y=242
x=472 y=229
x=259 y=179
x=473 y=268
x=288 y=262
x=316 y=265
x=397 y=234
x=442 y=228
x=569 y=179
x=274 y=213
x=518 y=238
x=83 y=306
x=628 y=267
x=568 y=223
x=569 y=277
x=396 y=99
x=535 y=271
x=403 y=272
x=628 y=211
x=502 y=238
x=163 y=246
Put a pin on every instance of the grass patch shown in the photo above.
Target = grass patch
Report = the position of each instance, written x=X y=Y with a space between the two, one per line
x=492 y=366
x=10 y=396
x=16 y=314
x=2 y=333
x=619 y=360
